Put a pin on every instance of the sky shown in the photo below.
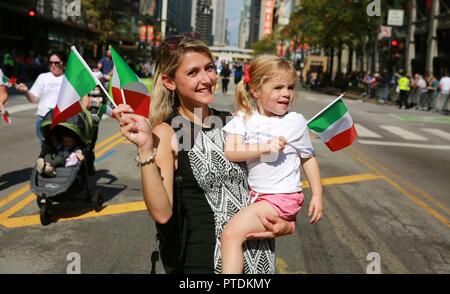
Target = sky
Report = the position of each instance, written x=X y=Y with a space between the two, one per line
x=233 y=16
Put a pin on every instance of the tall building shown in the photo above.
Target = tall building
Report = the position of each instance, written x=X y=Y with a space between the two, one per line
x=219 y=22
x=179 y=16
x=202 y=19
x=244 y=26
x=255 y=16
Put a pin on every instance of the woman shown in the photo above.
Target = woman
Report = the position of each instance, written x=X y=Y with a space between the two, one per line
x=179 y=142
x=45 y=89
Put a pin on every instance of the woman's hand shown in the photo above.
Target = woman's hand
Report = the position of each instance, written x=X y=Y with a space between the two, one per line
x=275 y=226
x=135 y=128
x=22 y=88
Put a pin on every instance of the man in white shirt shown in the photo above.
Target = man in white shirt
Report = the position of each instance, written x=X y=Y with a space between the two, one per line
x=444 y=87
x=45 y=89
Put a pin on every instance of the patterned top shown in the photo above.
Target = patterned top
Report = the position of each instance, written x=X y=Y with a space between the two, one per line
x=214 y=190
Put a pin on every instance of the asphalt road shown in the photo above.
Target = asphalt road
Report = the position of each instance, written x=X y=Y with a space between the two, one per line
x=387 y=201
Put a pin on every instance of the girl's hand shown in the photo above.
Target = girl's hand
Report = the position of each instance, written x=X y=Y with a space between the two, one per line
x=275 y=145
x=275 y=226
x=315 y=208
x=135 y=128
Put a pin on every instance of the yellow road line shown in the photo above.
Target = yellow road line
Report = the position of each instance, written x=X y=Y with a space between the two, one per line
x=406 y=193
x=14 y=195
x=107 y=140
x=108 y=147
x=409 y=184
x=17 y=207
x=23 y=221
x=346 y=179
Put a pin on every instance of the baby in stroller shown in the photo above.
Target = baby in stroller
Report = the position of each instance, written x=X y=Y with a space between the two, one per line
x=62 y=149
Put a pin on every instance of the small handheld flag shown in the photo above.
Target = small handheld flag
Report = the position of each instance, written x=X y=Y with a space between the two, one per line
x=334 y=125
x=6 y=118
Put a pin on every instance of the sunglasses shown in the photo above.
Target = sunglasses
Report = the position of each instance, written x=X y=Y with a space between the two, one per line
x=50 y=63
x=174 y=40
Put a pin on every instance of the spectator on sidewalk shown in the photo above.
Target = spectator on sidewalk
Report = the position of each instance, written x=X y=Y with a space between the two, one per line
x=404 y=87
x=106 y=65
x=225 y=74
x=444 y=88
x=421 y=86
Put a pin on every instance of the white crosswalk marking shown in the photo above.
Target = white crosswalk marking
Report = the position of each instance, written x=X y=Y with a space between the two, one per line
x=365 y=132
x=407 y=135
x=440 y=133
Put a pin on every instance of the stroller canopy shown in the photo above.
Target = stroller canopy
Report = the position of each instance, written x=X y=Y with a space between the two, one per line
x=81 y=124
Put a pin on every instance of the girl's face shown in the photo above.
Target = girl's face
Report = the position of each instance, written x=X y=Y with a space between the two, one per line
x=275 y=95
x=195 y=79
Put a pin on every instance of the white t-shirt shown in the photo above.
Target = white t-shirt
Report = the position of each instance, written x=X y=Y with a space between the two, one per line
x=46 y=88
x=444 y=84
x=274 y=174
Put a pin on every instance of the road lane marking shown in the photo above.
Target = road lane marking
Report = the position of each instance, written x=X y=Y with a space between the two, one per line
x=401 y=144
x=17 y=206
x=346 y=179
x=411 y=196
x=282 y=267
x=14 y=222
x=405 y=182
x=14 y=195
x=438 y=133
x=365 y=132
x=24 y=221
x=21 y=107
x=104 y=156
x=402 y=133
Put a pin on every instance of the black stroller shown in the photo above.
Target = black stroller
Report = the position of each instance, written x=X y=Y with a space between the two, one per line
x=68 y=181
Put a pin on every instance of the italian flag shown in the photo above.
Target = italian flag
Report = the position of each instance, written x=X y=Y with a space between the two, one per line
x=334 y=125
x=6 y=118
x=127 y=88
x=77 y=83
x=6 y=81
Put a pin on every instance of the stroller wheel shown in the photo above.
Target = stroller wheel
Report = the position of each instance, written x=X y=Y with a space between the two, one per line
x=97 y=201
x=45 y=214
x=38 y=201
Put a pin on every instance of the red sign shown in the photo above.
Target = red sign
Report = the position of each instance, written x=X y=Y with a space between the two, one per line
x=146 y=33
x=268 y=17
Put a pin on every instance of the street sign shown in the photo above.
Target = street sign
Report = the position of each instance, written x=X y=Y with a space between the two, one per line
x=395 y=17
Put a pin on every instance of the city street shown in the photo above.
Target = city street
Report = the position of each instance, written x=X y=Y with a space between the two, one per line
x=387 y=200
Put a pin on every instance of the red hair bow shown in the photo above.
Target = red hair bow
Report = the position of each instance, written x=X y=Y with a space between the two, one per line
x=247 y=78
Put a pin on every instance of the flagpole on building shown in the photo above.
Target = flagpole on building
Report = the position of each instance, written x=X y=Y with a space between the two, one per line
x=328 y=106
x=74 y=50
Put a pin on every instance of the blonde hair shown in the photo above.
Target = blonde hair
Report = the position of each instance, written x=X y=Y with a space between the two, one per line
x=262 y=69
x=169 y=59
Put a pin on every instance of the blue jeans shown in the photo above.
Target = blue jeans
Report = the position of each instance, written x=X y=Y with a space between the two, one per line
x=39 y=120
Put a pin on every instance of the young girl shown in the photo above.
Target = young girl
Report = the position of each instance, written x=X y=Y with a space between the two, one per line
x=273 y=141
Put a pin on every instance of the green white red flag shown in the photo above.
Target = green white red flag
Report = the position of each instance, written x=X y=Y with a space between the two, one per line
x=8 y=82
x=77 y=83
x=334 y=125
x=127 y=88
x=6 y=118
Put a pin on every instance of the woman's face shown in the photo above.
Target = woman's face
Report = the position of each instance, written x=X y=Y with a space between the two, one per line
x=195 y=79
x=56 y=65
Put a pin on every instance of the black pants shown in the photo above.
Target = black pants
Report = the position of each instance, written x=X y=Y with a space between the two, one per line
x=403 y=99
x=225 y=85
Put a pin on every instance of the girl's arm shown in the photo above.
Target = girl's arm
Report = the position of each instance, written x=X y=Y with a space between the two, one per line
x=312 y=171
x=236 y=150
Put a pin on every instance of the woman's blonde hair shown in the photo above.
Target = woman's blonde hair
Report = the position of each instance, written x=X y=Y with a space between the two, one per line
x=261 y=69
x=169 y=58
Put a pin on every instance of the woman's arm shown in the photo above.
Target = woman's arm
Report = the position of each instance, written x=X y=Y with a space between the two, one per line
x=236 y=150
x=312 y=171
x=22 y=88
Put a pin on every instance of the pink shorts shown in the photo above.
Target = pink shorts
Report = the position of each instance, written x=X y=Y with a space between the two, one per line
x=287 y=205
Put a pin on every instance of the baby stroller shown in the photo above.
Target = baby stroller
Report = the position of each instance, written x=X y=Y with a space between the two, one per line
x=68 y=181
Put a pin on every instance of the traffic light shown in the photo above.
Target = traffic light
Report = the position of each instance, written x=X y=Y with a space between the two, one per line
x=394 y=43
x=31 y=13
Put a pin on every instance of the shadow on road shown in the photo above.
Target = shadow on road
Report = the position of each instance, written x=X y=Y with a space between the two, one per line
x=15 y=177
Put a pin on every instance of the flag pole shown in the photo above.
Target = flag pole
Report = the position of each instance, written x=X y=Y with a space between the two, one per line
x=328 y=106
x=74 y=50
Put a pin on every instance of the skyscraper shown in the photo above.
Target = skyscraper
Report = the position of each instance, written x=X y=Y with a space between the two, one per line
x=219 y=22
